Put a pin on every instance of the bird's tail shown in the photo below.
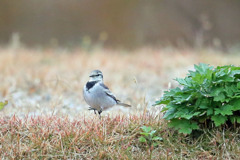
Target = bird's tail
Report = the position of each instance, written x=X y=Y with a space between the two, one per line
x=123 y=104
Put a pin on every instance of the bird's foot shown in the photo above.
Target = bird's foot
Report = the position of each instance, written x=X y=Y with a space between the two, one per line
x=90 y=108
x=99 y=112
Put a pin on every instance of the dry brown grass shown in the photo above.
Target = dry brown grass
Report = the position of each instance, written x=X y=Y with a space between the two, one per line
x=44 y=137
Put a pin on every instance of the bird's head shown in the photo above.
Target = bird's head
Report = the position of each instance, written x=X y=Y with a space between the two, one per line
x=96 y=75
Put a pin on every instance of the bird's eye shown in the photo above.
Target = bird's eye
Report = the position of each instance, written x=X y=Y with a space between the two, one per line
x=95 y=75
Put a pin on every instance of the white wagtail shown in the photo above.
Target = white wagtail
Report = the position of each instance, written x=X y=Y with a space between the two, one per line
x=97 y=95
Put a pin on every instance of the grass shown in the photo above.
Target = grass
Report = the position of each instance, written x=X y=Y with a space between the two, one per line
x=43 y=81
x=116 y=137
x=46 y=116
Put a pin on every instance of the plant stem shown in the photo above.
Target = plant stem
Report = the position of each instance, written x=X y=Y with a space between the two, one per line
x=150 y=150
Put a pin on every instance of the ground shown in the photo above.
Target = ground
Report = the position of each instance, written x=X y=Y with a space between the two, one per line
x=50 y=81
x=43 y=88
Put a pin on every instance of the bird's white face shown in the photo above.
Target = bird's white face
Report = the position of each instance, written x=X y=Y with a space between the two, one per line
x=96 y=75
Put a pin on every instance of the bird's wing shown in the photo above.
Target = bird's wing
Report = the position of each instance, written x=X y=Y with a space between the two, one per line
x=109 y=93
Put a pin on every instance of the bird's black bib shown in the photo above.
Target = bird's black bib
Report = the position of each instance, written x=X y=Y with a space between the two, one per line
x=89 y=85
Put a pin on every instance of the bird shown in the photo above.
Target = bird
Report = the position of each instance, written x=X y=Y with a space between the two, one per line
x=97 y=95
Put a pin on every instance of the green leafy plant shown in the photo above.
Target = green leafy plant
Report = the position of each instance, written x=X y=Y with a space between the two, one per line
x=2 y=104
x=208 y=96
x=148 y=137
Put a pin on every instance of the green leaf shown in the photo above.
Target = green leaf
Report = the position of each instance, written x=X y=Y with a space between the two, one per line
x=224 y=74
x=157 y=138
x=225 y=79
x=236 y=71
x=186 y=115
x=164 y=109
x=224 y=110
x=220 y=97
x=185 y=82
x=155 y=144
x=210 y=111
x=204 y=104
x=219 y=119
x=142 y=139
x=146 y=129
x=202 y=68
x=183 y=125
x=129 y=148
x=222 y=71
x=144 y=133
x=3 y=104
x=203 y=79
x=152 y=133
x=236 y=104
x=162 y=101
x=182 y=98
x=238 y=85
x=235 y=119
x=231 y=89
x=216 y=91
x=169 y=114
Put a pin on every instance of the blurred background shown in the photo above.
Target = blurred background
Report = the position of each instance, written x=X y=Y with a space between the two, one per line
x=121 y=23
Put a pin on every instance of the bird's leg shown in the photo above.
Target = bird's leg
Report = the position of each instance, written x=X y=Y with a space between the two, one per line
x=99 y=112
x=90 y=108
